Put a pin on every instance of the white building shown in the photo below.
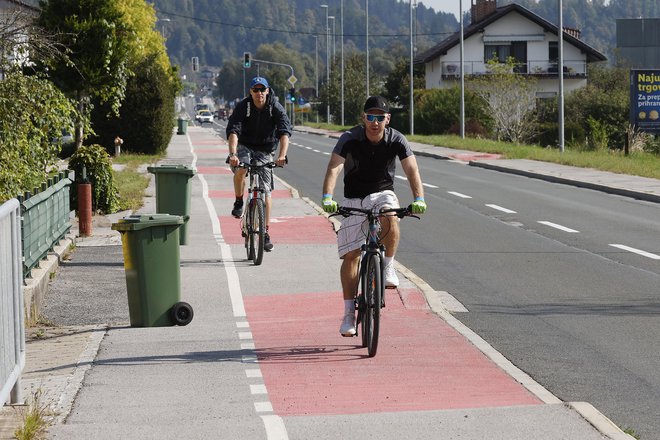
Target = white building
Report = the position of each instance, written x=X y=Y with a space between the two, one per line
x=511 y=30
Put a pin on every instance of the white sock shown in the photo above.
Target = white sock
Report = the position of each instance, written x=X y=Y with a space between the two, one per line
x=388 y=261
x=349 y=306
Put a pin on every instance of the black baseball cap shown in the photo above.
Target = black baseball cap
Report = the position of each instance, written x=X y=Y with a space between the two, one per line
x=376 y=103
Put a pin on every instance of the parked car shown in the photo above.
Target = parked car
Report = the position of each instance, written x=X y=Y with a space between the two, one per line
x=204 y=116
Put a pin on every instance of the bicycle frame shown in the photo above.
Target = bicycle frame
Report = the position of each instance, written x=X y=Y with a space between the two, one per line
x=253 y=229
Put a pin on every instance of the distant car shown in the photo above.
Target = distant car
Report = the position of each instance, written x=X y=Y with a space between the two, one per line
x=204 y=116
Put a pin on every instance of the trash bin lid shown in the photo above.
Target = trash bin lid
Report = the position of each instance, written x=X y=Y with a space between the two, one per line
x=171 y=169
x=137 y=222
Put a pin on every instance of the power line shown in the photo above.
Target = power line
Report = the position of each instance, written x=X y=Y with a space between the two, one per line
x=283 y=31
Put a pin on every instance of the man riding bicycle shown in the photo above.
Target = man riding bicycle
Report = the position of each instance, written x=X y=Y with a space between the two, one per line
x=367 y=155
x=258 y=124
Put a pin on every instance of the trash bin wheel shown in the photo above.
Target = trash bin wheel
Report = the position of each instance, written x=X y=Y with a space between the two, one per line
x=182 y=313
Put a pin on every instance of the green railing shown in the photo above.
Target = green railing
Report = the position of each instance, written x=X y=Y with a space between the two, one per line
x=46 y=219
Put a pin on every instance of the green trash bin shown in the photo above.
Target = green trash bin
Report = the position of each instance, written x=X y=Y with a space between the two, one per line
x=173 y=189
x=182 y=126
x=150 y=245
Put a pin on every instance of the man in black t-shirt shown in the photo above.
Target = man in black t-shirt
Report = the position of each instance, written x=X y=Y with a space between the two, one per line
x=367 y=154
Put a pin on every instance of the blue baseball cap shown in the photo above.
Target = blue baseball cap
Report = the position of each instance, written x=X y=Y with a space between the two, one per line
x=259 y=80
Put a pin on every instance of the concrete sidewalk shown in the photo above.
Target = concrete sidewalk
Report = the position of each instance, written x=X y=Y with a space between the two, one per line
x=221 y=376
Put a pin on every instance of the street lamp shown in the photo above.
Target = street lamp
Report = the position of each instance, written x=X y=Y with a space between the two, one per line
x=341 y=42
x=367 y=41
x=316 y=72
x=332 y=58
x=412 y=115
x=560 y=34
x=327 y=58
x=462 y=113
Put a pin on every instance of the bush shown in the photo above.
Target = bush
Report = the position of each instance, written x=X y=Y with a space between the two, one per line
x=438 y=110
x=147 y=114
x=98 y=170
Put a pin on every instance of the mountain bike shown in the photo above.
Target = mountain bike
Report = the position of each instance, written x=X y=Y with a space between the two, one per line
x=371 y=295
x=253 y=220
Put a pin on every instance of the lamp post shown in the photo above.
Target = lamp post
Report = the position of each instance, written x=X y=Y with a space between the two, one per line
x=333 y=53
x=560 y=34
x=412 y=115
x=460 y=12
x=341 y=43
x=327 y=58
x=316 y=72
x=367 y=41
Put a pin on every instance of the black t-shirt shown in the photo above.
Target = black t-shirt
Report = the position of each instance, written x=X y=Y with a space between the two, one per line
x=259 y=130
x=370 y=168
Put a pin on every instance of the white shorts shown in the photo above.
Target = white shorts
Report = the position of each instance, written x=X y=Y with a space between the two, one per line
x=354 y=228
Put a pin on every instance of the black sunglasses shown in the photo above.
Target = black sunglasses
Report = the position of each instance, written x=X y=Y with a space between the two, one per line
x=259 y=89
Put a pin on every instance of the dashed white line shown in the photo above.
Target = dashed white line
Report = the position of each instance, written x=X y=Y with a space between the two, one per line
x=258 y=389
x=247 y=346
x=499 y=208
x=457 y=194
x=244 y=335
x=253 y=372
x=560 y=227
x=636 y=251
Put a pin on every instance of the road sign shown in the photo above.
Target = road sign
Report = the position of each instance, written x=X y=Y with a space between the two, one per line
x=292 y=80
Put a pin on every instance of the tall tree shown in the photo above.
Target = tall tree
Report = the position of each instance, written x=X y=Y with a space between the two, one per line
x=96 y=36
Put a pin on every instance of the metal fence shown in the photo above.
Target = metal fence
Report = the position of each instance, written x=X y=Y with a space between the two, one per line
x=46 y=219
x=12 y=323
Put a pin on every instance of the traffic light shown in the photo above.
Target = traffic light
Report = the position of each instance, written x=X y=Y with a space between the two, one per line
x=195 y=64
x=292 y=94
x=246 y=59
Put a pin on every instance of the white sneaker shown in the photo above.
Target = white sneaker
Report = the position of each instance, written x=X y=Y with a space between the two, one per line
x=391 y=279
x=348 y=325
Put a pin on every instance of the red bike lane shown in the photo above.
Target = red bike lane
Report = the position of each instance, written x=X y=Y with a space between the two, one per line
x=309 y=369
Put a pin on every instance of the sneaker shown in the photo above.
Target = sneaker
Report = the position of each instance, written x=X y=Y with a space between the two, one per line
x=268 y=246
x=391 y=279
x=238 y=209
x=348 y=325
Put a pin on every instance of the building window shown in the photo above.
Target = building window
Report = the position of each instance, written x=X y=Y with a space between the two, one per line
x=501 y=52
x=553 y=51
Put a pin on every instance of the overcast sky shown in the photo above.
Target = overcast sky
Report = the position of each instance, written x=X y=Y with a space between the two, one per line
x=450 y=6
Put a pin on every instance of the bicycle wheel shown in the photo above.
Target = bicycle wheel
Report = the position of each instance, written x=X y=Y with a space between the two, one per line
x=372 y=297
x=247 y=231
x=258 y=226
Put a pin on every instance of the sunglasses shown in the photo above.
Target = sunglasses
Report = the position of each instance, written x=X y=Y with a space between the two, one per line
x=259 y=89
x=372 y=118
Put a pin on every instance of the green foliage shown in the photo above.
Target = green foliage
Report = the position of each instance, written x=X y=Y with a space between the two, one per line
x=98 y=169
x=397 y=82
x=602 y=108
x=97 y=38
x=355 y=92
x=511 y=100
x=33 y=112
x=147 y=115
x=438 y=111
x=37 y=418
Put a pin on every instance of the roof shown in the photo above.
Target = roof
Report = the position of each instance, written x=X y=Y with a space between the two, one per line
x=454 y=40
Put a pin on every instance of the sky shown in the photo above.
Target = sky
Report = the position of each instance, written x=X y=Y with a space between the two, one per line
x=450 y=6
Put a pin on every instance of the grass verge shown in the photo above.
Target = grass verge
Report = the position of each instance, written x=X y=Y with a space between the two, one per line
x=636 y=164
x=131 y=180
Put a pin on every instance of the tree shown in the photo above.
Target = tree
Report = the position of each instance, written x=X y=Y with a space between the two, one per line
x=355 y=92
x=33 y=112
x=511 y=99
x=97 y=37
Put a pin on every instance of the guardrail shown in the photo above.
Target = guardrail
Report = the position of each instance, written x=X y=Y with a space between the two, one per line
x=46 y=219
x=12 y=322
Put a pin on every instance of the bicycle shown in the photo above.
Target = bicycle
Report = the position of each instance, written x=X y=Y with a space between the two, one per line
x=371 y=296
x=253 y=220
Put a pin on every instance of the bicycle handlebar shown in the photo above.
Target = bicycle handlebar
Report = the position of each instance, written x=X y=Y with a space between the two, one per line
x=255 y=166
x=346 y=211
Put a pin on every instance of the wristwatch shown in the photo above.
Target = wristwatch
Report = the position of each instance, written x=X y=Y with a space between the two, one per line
x=232 y=154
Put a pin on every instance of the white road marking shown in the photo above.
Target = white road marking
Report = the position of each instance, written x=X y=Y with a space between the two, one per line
x=244 y=335
x=457 y=194
x=258 y=389
x=636 y=251
x=499 y=208
x=560 y=227
x=274 y=425
x=253 y=372
x=428 y=185
x=247 y=346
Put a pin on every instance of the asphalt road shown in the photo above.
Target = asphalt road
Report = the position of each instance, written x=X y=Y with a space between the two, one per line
x=536 y=266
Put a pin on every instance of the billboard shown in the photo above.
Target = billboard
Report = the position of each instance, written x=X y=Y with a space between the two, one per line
x=645 y=100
